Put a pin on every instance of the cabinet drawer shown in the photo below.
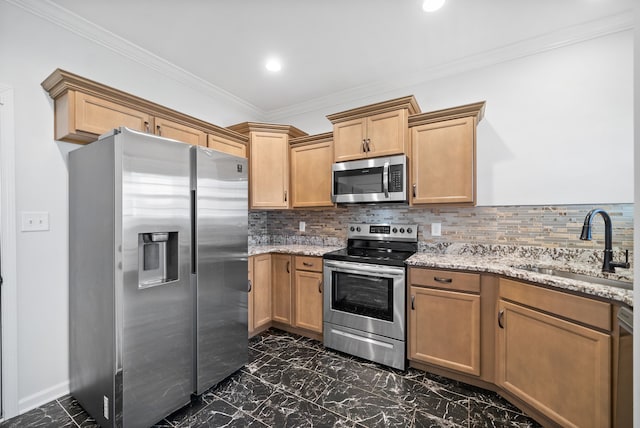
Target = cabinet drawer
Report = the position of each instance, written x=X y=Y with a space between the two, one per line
x=311 y=263
x=580 y=309
x=445 y=279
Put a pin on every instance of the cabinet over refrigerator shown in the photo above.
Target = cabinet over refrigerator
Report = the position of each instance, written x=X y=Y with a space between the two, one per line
x=158 y=265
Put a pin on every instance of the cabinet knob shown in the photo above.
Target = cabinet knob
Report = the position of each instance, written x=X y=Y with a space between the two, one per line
x=146 y=127
x=159 y=130
x=414 y=189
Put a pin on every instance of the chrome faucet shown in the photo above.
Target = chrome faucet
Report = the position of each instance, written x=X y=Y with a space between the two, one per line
x=609 y=265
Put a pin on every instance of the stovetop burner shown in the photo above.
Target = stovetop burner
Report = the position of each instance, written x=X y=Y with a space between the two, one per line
x=382 y=244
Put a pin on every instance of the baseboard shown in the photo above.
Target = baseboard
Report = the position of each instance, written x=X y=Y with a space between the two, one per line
x=43 y=397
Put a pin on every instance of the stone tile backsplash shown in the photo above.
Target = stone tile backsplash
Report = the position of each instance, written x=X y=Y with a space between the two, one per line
x=546 y=228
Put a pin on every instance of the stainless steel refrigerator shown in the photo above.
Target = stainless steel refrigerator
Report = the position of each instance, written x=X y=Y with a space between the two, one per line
x=157 y=274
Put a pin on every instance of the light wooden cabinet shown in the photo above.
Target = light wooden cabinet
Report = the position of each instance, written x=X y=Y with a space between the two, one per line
x=268 y=163
x=227 y=145
x=85 y=109
x=177 y=131
x=83 y=118
x=444 y=319
x=548 y=356
x=375 y=130
x=311 y=159
x=282 y=274
x=250 y=295
x=443 y=147
x=308 y=293
x=260 y=295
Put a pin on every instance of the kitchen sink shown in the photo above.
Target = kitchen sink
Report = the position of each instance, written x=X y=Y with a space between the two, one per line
x=577 y=276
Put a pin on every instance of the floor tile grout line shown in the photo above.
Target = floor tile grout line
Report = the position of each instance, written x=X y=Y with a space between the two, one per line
x=68 y=414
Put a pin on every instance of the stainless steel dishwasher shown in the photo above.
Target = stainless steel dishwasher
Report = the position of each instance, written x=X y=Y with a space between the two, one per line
x=624 y=375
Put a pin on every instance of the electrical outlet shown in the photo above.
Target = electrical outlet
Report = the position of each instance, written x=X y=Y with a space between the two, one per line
x=34 y=221
x=302 y=226
x=436 y=229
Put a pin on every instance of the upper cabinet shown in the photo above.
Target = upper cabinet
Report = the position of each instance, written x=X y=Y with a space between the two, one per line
x=311 y=158
x=85 y=109
x=375 y=130
x=269 y=163
x=443 y=151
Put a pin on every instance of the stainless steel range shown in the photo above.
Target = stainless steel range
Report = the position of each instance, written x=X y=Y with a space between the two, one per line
x=365 y=297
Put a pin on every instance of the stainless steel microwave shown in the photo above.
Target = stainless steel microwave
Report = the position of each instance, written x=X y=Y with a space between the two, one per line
x=372 y=180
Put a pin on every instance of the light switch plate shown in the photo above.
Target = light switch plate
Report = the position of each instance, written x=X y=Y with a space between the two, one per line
x=436 y=229
x=302 y=226
x=34 y=221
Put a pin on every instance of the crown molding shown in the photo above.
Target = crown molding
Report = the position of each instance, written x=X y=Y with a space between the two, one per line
x=403 y=82
x=70 y=21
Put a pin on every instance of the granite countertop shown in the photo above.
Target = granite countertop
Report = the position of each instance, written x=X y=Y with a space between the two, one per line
x=299 y=250
x=507 y=266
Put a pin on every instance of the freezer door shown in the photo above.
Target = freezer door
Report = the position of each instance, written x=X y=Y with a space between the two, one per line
x=221 y=213
x=154 y=313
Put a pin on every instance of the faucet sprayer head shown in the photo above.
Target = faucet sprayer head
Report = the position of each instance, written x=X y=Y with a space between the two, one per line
x=586 y=232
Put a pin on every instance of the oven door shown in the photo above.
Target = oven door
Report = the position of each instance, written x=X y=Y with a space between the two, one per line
x=366 y=297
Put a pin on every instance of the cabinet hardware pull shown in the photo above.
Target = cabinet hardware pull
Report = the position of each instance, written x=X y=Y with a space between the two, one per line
x=500 y=318
x=146 y=126
x=288 y=264
x=285 y=196
x=413 y=303
x=414 y=189
x=368 y=147
x=320 y=286
x=442 y=280
x=364 y=146
x=307 y=264
x=249 y=286
x=159 y=130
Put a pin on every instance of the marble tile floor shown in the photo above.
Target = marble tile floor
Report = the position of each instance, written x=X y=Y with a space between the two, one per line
x=292 y=381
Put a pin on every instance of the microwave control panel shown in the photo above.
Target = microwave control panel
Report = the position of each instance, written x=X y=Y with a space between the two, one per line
x=396 y=179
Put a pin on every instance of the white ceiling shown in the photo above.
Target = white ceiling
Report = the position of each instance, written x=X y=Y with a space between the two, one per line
x=331 y=49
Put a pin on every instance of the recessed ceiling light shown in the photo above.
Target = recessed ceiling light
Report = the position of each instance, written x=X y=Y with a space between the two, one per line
x=432 y=5
x=273 y=64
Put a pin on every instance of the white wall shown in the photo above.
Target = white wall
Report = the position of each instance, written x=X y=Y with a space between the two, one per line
x=30 y=49
x=558 y=126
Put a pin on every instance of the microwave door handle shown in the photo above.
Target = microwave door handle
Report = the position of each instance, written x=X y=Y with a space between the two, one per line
x=385 y=180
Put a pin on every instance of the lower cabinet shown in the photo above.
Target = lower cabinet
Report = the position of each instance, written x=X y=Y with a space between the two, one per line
x=260 y=293
x=281 y=287
x=308 y=293
x=560 y=367
x=444 y=319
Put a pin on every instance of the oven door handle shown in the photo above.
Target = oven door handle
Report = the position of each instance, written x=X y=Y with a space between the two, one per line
x=385 y=179
x=377 y=270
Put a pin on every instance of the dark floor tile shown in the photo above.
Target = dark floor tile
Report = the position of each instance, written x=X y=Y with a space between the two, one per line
x=49 y=415
x=286 y=410
x=273 y=342
x=426 y=420
x=311 y=343
x=304 y=383
x=218 y=413
x=487 y=415
x=188 y=411
x=242 y=390
x=273 y=370
x=345 y=370
x=298 y=354
x=363 y=407
x=256 y=360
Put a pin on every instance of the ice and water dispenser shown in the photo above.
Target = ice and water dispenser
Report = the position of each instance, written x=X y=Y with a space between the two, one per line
x=157 y=258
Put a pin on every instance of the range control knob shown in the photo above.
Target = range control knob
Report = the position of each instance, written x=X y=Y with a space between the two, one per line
x=358 y=229
x=352 y=228
x=402 y=230
x=395 y=230
x=409 y=230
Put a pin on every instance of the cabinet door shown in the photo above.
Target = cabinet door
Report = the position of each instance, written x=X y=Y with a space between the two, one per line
x=269 y=181
x=282 y=274
x=561 y=368
x=443 y=165
x=387 y=133
x=250 y=294
x=176 y=131
x=348 y=140
x=226 y=145
x=261 y=290
x=444 y=329
x=79 y=114
x=308 y=300
x=311 y=175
